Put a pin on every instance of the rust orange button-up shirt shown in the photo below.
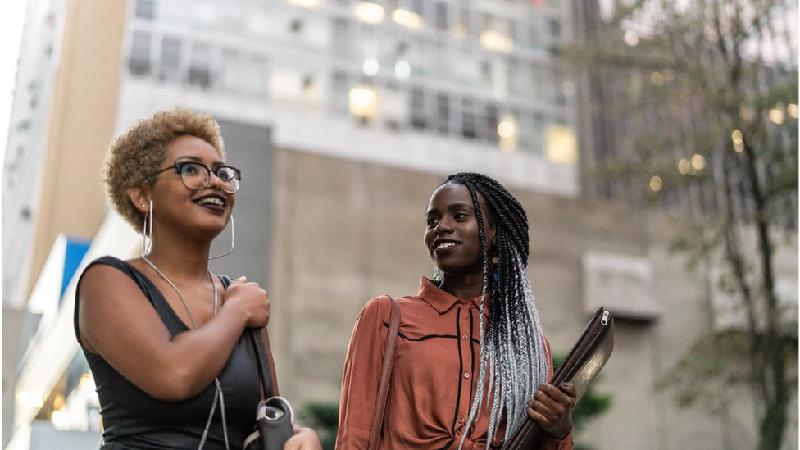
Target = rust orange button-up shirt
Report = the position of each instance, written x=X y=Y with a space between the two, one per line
x=433 y=379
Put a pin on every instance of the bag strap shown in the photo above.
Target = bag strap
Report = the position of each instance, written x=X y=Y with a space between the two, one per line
x=386 y=374
x=264 y=362
x=261 y=363
x=273 y=376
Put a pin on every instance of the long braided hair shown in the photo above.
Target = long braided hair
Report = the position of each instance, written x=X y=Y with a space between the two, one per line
x=512 y=345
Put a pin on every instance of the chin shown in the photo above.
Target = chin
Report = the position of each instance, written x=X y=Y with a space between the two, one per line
x=211 y=228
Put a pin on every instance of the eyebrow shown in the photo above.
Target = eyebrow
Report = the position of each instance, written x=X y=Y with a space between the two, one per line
x=459 y=205
x=451 y=207
x=192 y=158
x=199 y=160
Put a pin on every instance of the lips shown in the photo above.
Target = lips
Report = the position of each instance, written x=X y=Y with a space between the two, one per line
x=212 y=201
x=444 y=245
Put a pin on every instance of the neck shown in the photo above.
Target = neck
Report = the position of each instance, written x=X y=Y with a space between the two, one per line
x=180 y=256
x=463 y=286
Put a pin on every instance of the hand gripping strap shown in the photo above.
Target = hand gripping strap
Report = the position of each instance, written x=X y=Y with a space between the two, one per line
x=386 y=375
x=264 y=362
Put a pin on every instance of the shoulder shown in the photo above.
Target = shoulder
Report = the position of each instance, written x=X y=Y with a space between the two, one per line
x=106 y=264
x=377 y=308
x=106 y=274
x=381 y=306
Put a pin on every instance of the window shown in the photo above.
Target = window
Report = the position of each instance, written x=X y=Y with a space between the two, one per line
x=296 y=26
x=442 y=113
x=170 y=59
x=467 y=119
x=531 y=130
x=533 y=35
x=145 y=9
x=139 y=58
x=489 y=129
x=417 y=109
x=339 y=92
x=340 y=37
x=464 y=27
x=199 y=73
x=416 y=7
x=442 y=19
x=254 y=75
x=229 y=79
x=555 y=28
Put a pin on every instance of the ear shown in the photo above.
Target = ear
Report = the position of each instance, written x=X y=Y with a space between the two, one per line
x=139 y=196
x=491 y=234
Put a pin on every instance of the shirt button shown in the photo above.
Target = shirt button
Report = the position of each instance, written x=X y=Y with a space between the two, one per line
x=461 y=419
x=466 y=375
x=464 y=337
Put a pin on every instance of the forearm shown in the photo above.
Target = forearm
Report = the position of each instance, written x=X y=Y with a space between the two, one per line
x=194 y=358
x=552 y=443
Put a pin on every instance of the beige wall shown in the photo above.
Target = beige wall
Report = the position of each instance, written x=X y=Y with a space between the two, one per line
x=347 y=231
x=82 y=118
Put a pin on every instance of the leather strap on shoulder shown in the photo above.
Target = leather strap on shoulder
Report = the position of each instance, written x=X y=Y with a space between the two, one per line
x=386 y=375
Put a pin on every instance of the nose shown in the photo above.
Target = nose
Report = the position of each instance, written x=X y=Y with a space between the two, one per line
x=443 y=226
x=216 y=182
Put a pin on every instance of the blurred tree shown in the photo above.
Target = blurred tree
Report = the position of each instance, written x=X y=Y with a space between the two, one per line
x=693 y=105
x=591 y=405
x=323 y=417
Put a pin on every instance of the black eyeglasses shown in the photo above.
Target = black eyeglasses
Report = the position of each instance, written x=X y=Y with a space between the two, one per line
x=196 y=175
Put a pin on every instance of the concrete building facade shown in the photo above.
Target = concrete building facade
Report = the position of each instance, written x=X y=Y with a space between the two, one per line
x=344 y=116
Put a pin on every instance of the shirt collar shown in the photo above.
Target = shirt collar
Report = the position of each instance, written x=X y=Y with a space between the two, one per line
x=442 y=301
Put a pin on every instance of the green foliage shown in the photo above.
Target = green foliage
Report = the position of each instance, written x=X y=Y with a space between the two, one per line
x=591 y=406
x=323 y=417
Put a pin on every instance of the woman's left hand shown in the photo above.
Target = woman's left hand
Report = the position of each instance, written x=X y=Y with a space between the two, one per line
x=551 y=408
x=303 y=439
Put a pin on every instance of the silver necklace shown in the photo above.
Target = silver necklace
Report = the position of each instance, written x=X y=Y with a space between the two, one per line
x=218 y=391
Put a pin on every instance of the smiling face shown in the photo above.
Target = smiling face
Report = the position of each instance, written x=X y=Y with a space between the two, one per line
x=206 y=209
x=451 y=235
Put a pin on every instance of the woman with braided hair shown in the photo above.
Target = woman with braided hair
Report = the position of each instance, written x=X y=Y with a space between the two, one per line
x=471 y=361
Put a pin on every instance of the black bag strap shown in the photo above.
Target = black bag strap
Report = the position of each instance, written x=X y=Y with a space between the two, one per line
x=264 y=374
x=262 y=363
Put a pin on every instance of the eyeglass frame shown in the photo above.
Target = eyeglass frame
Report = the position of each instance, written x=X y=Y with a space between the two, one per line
x=177 y=165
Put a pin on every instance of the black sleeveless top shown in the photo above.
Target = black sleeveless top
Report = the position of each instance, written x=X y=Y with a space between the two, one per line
x=134 y=420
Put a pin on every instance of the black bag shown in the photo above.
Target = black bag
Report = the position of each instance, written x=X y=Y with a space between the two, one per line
x=274 y=415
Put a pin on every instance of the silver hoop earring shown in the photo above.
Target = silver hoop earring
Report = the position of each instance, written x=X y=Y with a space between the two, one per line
x=147 y=227
x=233 y=242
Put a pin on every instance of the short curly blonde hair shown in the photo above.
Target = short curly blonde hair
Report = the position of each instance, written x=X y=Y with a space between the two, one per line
x=141 y=150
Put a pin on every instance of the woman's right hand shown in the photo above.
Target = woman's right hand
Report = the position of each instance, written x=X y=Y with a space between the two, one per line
x=250 y=299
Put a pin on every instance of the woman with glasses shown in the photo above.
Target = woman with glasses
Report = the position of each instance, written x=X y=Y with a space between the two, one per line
x=471 y=363
x=165 y=339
